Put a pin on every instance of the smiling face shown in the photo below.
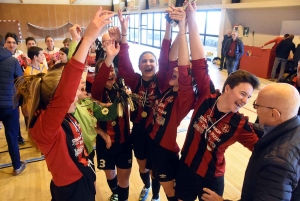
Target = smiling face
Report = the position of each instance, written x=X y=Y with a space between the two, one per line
x=111 y=79
x=147 y=65
x=81 y=88
x=174 y=79
x=238 y=96
x=11 y=44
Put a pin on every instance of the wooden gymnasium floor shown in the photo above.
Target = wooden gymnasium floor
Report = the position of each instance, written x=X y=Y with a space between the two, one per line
x=33 y=183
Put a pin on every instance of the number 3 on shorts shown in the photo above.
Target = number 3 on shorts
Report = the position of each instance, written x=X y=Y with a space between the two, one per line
x=102 y=163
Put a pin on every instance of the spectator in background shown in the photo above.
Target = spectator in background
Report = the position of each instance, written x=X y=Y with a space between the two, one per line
x=233 y=50
x=51 y=53
x=226 y=37
x=297 y=56
x=9 y=112
x=282 y=52
x=63 y=55
x=67 y=42
x=11 y=44
x=30 y=41
x=276 y=41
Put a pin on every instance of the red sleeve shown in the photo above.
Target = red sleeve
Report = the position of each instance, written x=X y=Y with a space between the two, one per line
x=50 y=119
x=248 y=137
x=186 y=95
x=125 y=69
x=164 y=74
x=200 y=70
x=100 y=81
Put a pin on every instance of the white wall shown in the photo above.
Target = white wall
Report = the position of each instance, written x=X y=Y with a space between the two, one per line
x=266 y=23
x=78 y=2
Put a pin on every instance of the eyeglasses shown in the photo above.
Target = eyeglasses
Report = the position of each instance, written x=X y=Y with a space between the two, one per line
x=255 y=106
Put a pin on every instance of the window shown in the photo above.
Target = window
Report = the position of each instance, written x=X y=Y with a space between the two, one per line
x=133 y=30
x=152 y=29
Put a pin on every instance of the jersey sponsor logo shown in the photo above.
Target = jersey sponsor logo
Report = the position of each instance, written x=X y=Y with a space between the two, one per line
x=162 y=176
x=160 y=120
x=225 y=128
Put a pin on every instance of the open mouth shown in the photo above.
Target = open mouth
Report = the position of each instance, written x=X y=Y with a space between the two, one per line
x=110 y=79
x=238 y=105
x=148 y=70
x=174 y=77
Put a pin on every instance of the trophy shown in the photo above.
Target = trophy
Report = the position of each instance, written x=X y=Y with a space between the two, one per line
x=174 y=23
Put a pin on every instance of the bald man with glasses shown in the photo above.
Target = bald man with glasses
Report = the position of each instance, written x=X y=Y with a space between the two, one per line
x=273 y=171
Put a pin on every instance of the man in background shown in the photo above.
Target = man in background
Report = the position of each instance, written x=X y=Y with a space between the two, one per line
x=10 y=69
x=226 y=37
x=282 y=53
x=276 y=41
x=233 y=50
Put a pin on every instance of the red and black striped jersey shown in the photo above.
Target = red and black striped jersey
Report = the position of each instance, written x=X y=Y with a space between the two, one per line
x=169 y=110
x=204 y=153
x=117 y=129
x=141 y=88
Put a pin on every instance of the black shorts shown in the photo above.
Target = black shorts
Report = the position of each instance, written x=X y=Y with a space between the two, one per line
x=119 y=155
x=139 y=138
x=82 y=189
x=189 y=185
x=162 y=162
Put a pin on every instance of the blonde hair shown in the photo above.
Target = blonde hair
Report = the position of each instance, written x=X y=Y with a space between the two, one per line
x=39 y=89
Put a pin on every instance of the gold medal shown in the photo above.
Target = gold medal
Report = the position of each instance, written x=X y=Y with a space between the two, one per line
x=105 y=111
x=144 y=114
x=113 y=123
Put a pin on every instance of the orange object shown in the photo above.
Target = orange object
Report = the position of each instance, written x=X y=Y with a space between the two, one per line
x=258 y=61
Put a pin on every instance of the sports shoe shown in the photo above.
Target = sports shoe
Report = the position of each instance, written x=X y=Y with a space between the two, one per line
x=113 y=197
x=144 y=193
x=155 y=199
x=21 y=168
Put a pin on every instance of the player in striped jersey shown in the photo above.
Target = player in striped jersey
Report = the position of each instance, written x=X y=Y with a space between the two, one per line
x=119 y=154
x=168 y=111
x=215 y=124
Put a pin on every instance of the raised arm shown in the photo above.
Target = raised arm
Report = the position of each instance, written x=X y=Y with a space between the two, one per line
x=125 y=68
x=164 y=74
x=71 y=76
x=103 y=73
x=185 y=92
x=75 y=33
x=199 y=65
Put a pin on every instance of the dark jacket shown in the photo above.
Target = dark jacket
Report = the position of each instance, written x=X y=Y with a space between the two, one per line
x=297 y=56
x=273 y=170
x=284 y=48
x=224 y=40
x=10 y=69
x=239 y=49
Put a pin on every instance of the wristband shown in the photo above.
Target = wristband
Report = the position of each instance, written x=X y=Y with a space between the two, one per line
x=123 y=34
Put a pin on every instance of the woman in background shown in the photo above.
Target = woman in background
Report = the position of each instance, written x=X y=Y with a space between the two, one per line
x=51 y=53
